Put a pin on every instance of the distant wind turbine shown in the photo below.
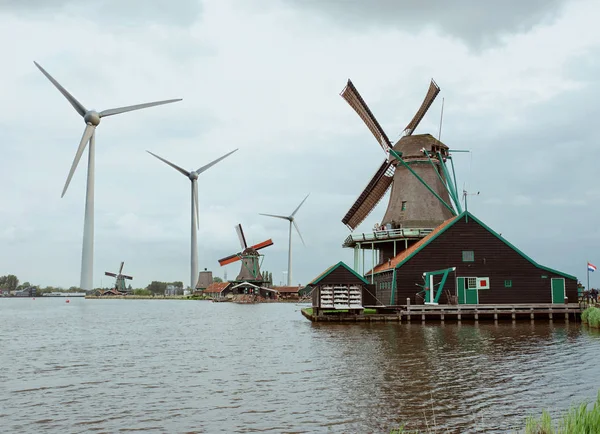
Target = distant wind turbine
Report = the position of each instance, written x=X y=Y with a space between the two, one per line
x=193 y=177
x=92 y=119
x=292 y=221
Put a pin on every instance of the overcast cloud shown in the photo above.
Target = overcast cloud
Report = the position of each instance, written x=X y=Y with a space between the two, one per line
x=476 y=23
x=520 y=89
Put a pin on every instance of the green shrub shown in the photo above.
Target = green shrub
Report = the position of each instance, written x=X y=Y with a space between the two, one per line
x=590 y=311
x=594 y=317
x=581 y=419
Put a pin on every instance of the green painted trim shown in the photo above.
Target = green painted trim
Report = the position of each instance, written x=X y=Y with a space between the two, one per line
x=449 y=187
x=541 y=267
x=454 y=176
x=333 y=267
x=486 y=227
x=393 y=288
x=436 y=171
x=399 y=158
x=450 y=183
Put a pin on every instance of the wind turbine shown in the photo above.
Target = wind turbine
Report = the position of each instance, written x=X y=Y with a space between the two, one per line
x=92 y=119
x=193 y=177
x=292 y=221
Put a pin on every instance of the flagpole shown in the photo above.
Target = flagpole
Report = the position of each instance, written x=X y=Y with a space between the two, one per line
x=588 y=275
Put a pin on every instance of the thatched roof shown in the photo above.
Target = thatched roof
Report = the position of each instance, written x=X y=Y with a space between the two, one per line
x=411 y=146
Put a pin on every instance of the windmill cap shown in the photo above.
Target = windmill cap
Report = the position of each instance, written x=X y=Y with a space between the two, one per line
x=411 y=146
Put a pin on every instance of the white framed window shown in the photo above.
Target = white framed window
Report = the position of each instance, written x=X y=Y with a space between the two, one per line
x=471 y=282
x=468 y=256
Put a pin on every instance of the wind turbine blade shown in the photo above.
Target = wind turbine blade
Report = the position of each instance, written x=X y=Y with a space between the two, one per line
x=296 y=210
x=298 y=230
x=119 y=110
x=87 y=135
x=76 y=104
x=195 y=184
x=174 y=166
x=276 y=216
x=203 y=168
x=121 y=268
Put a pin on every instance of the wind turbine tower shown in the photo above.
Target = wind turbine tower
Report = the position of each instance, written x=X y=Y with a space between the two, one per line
x=193 y=177
x=92 y=119
x=292 y=220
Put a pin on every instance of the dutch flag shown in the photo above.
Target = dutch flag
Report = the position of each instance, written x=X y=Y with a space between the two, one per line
x=591 y=267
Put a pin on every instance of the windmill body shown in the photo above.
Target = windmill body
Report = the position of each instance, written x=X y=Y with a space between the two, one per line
x=411 y=205
x=250 y=259
x=120 y=278
x=92 y=119
x=193 y=177
x=423 y=193
x=292 y=222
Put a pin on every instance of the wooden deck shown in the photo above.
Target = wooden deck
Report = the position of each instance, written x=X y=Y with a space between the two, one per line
x=473 y=312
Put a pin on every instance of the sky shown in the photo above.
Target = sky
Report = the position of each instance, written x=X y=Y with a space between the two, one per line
x=518 y=79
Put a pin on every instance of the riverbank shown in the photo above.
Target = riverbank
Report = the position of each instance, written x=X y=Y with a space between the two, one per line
x=137 y=297
x=582 y=418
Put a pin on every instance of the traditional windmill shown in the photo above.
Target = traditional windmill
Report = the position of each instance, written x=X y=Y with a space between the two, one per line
x=250 y=269
x=120 y=279
x=415 y=169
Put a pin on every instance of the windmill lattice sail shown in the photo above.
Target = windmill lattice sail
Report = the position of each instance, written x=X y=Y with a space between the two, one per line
x=420 y=193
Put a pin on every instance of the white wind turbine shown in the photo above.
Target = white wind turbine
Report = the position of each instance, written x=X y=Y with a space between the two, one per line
x=292 y=221
x=92 y=119
x=193 y=177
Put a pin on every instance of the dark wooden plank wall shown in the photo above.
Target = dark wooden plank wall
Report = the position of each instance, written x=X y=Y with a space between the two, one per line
x=341 y=276
x=493 y=259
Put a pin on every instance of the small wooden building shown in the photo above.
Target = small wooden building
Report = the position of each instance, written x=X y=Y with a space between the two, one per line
x=478 y=266
x=287 y=292
x=247 y=288
x=218 y=290
x=340 y=288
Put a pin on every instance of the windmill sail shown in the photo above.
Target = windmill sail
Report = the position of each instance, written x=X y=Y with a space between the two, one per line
x=432 y=92
x=237 y=256
x=371 y=195
x=240 y=233
x=351 y=95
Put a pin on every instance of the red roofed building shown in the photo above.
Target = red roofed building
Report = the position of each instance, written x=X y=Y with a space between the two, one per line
x=218 y=290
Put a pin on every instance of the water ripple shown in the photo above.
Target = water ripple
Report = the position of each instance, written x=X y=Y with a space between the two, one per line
x=196 y=367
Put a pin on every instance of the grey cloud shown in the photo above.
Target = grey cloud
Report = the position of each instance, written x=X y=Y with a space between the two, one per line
x=112 y=12
x=477 y=23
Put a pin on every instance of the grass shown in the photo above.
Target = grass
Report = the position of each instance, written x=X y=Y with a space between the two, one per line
x=582 y=419
x=591 y=316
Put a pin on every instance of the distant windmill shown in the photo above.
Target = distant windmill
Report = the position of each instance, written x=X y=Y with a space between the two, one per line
x=292 y=221
x=92 y=119
x=120 y=278
x=250 y=269
x=193 y=177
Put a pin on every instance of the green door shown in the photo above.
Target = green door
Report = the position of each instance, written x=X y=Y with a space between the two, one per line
x=558 y=290
x=460 y=289
x=465 y=295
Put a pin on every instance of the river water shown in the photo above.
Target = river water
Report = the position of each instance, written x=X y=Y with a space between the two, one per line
x=194 y=366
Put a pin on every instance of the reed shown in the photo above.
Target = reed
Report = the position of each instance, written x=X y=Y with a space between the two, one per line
x=581 y=419
x=591 y=316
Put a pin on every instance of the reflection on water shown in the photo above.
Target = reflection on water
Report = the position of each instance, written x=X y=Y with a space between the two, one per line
x=179 y=366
